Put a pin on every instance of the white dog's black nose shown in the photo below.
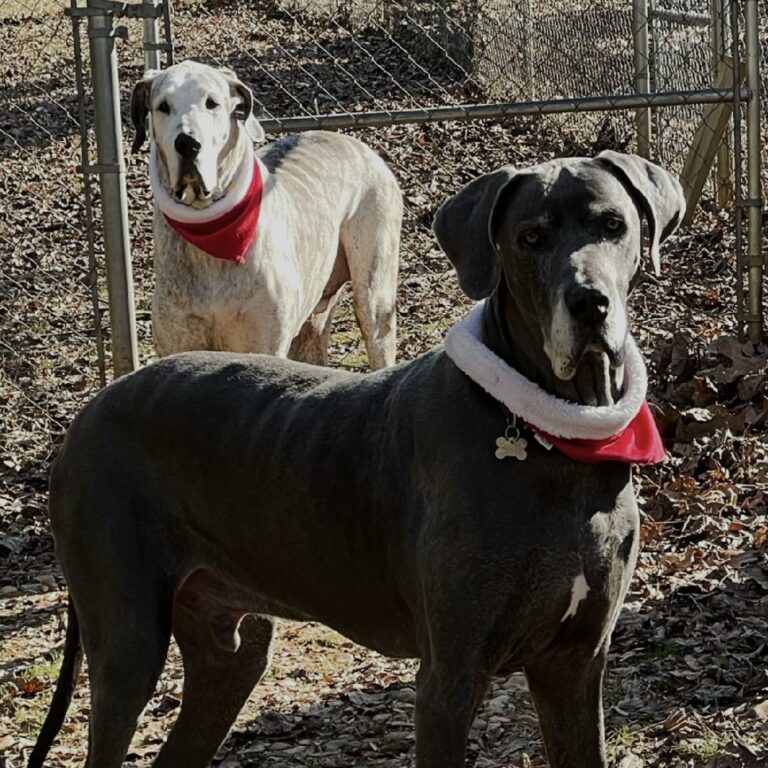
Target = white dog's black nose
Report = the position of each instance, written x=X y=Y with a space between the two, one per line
x=586 y=305
x=187 y=146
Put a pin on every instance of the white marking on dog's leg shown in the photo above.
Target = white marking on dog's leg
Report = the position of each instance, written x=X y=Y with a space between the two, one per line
x=579 y=591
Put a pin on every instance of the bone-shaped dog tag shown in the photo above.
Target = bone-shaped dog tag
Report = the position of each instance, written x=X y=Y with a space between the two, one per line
x=511 y=448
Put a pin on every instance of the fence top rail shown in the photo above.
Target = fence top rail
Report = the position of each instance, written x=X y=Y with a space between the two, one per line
x=118 y=8
x=681 y=17
x=337 y=121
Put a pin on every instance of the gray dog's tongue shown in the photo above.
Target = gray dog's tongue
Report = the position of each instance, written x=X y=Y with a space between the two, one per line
x=593 y=381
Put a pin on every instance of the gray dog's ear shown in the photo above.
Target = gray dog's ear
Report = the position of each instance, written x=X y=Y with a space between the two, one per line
x=465 y=227
x=140 y=108
x=656 y=192
x=244 y=109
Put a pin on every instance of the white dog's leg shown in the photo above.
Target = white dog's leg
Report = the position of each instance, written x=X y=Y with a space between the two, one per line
x=371 y=242
x=311 y=343
x=376 y=317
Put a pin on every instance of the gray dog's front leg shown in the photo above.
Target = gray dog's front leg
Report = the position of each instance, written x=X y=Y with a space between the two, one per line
x=446 y=703
x=567 y=692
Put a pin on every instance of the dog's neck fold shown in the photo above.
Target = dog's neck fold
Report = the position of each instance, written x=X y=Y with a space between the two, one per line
x=596 y=382
x=233 y=157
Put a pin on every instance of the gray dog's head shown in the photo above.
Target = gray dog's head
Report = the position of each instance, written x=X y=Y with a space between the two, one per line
x=195 y=111
x=566 y=237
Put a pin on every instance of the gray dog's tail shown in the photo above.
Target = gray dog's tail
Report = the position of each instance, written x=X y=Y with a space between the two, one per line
x=65 y=687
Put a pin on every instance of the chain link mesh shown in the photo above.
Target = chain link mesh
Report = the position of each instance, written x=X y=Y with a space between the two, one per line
x=47 y=353
x=315 y=57
x=763 y=16
x=309 y=57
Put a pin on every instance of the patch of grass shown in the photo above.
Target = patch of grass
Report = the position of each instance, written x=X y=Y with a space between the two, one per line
x=664 y=650
x=8 y=691
x=354 y=356
x=705 y=747
x=46 y=668
x=28 y=716
x=353 y=361
x=146 y=349
x=623 y=737
x=20 y=698
x=627 y=738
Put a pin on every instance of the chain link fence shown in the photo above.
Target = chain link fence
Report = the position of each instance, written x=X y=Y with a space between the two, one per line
x=305 y=60
x=49 y=362
x=384 y=70
x=763 y=36
x=331 y=63
x=336 y=63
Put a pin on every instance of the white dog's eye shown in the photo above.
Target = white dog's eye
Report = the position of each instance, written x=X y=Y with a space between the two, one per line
x=164 y=108
x=613 y=224
x=211 y=104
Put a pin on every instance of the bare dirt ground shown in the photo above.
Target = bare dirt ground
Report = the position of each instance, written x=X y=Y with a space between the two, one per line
x=687 y=683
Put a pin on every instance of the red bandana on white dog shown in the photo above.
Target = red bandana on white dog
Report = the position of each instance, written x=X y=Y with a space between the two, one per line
x=623 y=432
x=224 y=230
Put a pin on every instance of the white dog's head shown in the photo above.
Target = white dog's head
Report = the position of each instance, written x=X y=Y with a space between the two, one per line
x=195 y=111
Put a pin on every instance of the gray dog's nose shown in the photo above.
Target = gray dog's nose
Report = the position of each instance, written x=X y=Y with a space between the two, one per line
x=587 y=305
x=187 y=146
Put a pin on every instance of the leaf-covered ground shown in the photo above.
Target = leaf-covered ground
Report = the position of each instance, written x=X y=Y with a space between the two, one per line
x=687 y=682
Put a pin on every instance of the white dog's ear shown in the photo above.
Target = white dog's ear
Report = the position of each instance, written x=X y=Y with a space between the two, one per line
x=656 y=192
x=140 y=108
x=254 y=130
x=243 y=98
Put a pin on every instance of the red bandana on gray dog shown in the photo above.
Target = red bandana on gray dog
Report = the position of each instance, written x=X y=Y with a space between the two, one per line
x=625 y=431
x=638 y=443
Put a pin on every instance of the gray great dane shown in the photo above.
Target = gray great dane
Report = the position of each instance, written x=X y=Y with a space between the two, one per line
x=208 y=493
x=330 y=212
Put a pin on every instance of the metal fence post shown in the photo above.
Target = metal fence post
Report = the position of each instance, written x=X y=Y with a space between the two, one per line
x=755 y=202
x=738 y=164
x=151 y=40
x=114 y=199
x=642 y=76
x=93 y=272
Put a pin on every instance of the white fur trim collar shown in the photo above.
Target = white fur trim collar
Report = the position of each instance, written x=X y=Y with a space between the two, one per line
x=530 y=402
x=188 y=215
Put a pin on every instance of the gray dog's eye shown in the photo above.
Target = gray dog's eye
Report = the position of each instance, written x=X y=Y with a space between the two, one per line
x=613 y=224
x=531 y=237
x=164 y=108
x=211 y=104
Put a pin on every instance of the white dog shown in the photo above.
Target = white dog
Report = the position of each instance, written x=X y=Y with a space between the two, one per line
x=251 y=254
